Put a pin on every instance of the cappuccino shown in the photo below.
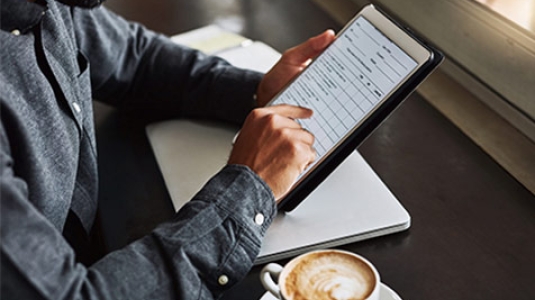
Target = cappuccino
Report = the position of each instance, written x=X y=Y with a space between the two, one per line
x=329 y=275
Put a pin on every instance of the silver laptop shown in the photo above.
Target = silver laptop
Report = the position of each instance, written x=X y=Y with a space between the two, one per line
x=352 y=204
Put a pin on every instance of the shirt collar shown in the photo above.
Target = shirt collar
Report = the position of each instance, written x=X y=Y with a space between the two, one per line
x=19 y=16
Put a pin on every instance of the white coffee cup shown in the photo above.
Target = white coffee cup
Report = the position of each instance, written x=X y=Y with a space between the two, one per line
x=323 y=274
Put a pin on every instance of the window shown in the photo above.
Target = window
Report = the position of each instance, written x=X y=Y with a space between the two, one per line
x=491 y=41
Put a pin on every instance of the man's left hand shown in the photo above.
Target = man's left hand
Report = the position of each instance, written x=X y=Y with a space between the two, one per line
x=292 y=62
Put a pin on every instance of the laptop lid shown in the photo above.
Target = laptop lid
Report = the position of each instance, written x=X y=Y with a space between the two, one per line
x=352 y=204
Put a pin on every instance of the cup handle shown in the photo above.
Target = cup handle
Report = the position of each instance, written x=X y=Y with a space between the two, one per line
x=266 y=278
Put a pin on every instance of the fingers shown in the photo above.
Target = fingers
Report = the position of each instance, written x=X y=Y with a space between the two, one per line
x=303 y=139
x=299 y=134
x=308 y=137
x=275 y=146
x=312 y=158
x=290 y=111
x=284 y=116
x=302 y=53
x=300 y=142
x=312 y=155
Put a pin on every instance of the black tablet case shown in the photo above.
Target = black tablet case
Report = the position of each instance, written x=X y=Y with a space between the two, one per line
x=298 y=193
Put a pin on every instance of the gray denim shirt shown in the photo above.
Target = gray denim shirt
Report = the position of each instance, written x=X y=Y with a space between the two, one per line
x=54 y=60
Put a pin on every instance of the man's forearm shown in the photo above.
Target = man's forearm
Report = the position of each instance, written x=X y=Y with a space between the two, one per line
x=133 y=66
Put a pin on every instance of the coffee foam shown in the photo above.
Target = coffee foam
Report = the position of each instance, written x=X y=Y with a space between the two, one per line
x=328 y=276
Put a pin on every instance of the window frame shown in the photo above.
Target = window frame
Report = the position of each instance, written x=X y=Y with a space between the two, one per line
x=489 y=55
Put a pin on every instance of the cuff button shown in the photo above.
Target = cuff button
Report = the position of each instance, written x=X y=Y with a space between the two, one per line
x=259 y=219
x=222 y=280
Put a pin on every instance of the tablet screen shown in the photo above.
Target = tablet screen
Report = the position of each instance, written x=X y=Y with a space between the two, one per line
x=346 y=83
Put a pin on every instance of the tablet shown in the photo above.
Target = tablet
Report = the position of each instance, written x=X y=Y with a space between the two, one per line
x=368 y=70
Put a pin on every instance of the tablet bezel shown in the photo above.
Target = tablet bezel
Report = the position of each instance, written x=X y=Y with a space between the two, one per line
x=426 y=58
x=395 y=33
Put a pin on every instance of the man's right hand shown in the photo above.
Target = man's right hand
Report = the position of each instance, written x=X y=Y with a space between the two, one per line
x=275 y=146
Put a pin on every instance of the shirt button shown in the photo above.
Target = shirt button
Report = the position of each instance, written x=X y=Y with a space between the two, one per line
x=222 y=280
x=15 y=32
x=259 y=219
x=76 y=107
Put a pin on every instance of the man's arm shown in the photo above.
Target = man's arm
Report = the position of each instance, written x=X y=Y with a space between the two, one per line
x=208 y=247
x=135 y=67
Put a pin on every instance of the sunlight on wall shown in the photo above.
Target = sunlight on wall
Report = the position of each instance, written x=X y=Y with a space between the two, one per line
x=521 y=12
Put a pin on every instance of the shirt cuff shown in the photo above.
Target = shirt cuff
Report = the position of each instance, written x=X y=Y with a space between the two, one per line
x=244 y=195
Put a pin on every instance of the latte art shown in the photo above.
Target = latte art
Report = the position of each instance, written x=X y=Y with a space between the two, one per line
x=328 y=276
x=339 y=286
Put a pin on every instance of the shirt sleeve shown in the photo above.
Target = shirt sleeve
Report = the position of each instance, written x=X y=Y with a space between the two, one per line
x=135 y=67
x=209 y=246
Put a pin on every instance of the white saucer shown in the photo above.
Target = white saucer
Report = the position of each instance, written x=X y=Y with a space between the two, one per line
x=386 y=294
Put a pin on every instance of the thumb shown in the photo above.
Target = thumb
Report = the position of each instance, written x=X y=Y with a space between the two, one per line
x=301 y=53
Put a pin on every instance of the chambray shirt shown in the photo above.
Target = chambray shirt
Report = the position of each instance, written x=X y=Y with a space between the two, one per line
x=54 y=60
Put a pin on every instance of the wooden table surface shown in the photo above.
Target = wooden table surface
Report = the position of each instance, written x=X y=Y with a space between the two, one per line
x=473 y=225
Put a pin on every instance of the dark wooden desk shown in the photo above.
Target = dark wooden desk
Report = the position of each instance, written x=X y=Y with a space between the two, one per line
x=473 y=225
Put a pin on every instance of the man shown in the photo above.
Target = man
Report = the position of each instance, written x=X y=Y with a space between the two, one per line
x=55 y=58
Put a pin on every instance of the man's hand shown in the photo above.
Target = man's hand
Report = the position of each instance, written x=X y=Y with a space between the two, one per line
x=292 y=62
x=274 y=146
x=270 y=142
